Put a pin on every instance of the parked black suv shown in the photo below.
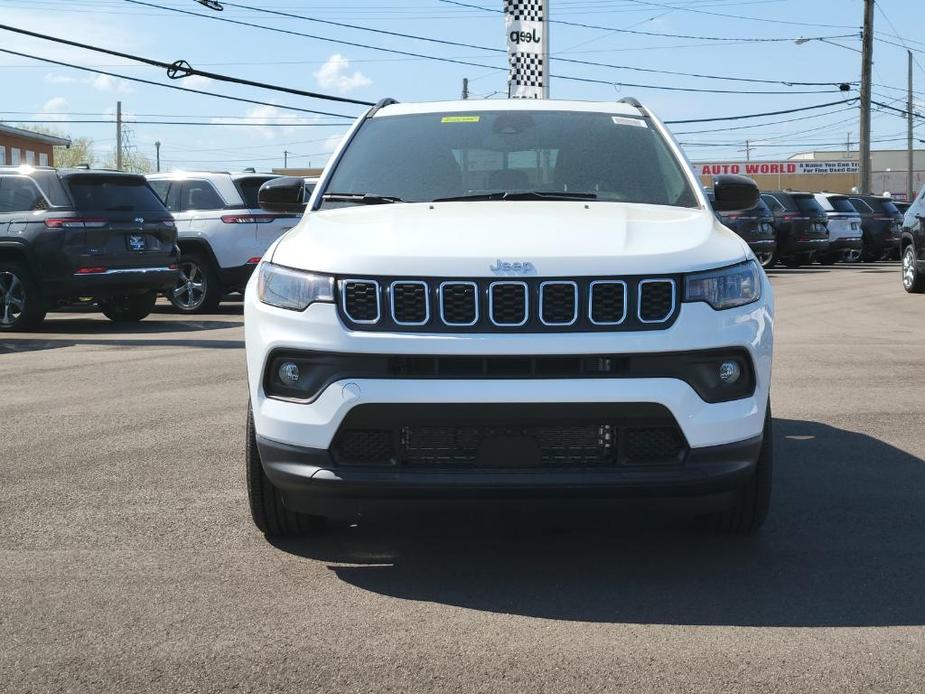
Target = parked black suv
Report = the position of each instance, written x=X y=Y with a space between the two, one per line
x=912 y=246
x=799 y=225
x=755 y=226
x=881 y=223
x=81 y=235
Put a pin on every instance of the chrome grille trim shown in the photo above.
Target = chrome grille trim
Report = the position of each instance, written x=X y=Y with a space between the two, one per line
x=591 y=302
x=574 y=286
x=491 y=308
x=426 y=302
x=343 y=299
x=475 y=298
x=674 y=299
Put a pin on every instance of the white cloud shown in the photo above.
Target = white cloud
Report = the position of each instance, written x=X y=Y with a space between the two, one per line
x=195 y=82
x=55 y=108
x=259 y=118
x=105 y=83
x=54 y=78
x=334 y=75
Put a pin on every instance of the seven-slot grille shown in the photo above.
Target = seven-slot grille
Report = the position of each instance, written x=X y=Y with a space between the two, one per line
x=509 y=305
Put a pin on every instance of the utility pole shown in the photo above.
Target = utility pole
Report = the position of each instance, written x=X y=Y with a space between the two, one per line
x=748 y=151
x=867 y=60
x=910 y=184
x=848 y=145
x=285 y=158
x=157 y=155
x=465 y=91
x=119 y=135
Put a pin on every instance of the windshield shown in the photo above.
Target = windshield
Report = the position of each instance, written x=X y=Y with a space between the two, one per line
x=248 y=188
x=433 y=156
x=842 y=205
x=807 y=205
x=113 y=193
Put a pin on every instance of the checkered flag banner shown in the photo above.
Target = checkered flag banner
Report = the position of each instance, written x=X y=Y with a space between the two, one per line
x=527 y=48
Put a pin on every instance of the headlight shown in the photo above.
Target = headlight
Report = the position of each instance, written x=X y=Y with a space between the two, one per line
x=725 y=288
x=293 y=289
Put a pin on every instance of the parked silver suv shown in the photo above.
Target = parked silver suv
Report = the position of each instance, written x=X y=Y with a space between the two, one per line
x=222 y=233
x=844 y=223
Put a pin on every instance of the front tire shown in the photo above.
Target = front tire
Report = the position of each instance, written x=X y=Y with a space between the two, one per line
x=270 y=516
x=750 y=508
x=913 y=280
x=21 y=305
x=198 y=288
x=129 y=308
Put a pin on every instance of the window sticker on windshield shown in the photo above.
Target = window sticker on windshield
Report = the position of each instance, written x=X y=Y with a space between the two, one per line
x=638 y=122
x=460 y=119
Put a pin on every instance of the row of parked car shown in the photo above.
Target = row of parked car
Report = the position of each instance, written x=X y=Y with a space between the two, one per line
x=118 y=240
x=800 y=228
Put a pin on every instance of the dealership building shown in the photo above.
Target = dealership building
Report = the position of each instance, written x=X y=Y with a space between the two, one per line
x=18 y=146
x=837 y=172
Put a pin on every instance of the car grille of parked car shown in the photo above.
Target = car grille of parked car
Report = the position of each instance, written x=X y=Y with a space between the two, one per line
x=494 y=436
x=501 y=446
x=508 y=305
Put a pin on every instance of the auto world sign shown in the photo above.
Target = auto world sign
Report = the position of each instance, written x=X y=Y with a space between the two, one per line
x=753 y=168
x=526 y=23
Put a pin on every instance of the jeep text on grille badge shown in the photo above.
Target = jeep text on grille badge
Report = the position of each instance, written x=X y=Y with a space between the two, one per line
x=503 y=267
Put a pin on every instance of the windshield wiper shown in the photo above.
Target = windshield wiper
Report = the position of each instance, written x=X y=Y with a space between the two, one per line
x=361 y=198
x=522 y=195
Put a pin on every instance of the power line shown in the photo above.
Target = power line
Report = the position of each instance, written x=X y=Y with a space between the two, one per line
x=759 y=115
x=209 y=123
x=173 y=86
x=574 y=78
x=737 y=16
x=761 y=125
x=181 y=68
x=492 y=49
x=659 y=34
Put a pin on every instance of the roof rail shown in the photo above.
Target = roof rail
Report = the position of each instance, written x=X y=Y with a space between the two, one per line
x=633 y=101
x=382 y=103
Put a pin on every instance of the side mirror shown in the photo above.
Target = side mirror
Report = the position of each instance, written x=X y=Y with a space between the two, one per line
x=734 y=193
x=284 y=194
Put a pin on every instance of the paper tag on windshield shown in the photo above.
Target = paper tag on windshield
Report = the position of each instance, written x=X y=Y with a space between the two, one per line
x=460 y=119
x=638 y=122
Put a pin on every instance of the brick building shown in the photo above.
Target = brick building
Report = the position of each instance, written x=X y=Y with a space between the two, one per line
x=18 y=146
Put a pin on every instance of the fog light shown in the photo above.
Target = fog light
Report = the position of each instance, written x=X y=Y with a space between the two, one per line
x=289 y=373
x=729 y=372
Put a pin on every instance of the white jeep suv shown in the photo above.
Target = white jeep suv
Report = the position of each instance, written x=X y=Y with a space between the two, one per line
x=508 y=299
x=221 y=231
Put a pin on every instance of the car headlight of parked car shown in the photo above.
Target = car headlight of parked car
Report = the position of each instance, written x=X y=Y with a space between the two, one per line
x=726 y=287
x=292 y=289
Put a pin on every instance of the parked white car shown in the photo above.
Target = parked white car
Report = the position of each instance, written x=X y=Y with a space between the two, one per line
x=483 y=300
x=221 y=231
x=844 y=224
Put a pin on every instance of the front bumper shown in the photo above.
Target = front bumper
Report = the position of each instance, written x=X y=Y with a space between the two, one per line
x=310 y=483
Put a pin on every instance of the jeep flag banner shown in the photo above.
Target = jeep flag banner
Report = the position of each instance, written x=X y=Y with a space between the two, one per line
x=526 y=22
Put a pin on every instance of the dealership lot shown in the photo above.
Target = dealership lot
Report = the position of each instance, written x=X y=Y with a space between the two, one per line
x=128 y=561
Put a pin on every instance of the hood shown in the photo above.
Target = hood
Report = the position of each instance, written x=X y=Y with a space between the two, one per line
x=467 y=239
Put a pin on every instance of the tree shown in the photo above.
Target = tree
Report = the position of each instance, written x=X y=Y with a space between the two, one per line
x=80 y=152
x=133 y=161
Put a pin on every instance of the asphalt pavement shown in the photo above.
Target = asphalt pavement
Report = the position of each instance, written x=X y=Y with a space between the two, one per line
x=128 y=561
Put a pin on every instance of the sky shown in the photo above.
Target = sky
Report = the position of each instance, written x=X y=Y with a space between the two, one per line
x=37 y=91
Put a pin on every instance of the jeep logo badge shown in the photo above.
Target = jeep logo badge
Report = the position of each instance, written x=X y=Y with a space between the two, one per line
x=139 y=220
x=520 y=267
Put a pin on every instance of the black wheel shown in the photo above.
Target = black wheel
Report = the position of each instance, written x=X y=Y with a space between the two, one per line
x=767 y=259
x=198 y=288
x=913 y=280
x=828 y=258
x=21 y=304
x=129 y=308
x=748 y=512
x=793 y=261
x=869 y=254
x=270 y=516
